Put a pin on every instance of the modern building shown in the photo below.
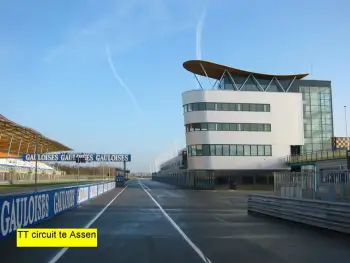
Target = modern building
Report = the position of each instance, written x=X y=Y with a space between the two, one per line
x=245 y=125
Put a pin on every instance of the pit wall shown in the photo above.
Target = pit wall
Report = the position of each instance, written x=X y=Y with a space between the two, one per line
x=29 y=209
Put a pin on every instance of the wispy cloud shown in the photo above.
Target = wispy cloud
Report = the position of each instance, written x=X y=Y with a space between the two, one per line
x=121 y=82
x=199 y=28
x=125 y=24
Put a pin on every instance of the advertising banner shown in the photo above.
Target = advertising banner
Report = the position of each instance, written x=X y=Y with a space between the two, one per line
x=25 y=210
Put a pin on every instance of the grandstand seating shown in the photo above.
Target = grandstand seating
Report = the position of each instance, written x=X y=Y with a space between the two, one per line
x=12 y=162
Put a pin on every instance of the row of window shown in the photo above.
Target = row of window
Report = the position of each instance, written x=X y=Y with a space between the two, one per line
x=213 y=106
x=259 y=127
x=229 y=150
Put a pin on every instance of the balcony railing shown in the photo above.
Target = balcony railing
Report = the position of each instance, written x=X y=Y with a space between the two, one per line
x=317 y=156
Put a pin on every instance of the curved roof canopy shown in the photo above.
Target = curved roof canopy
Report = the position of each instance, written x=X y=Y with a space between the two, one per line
x=24 y=136
x=215 y=71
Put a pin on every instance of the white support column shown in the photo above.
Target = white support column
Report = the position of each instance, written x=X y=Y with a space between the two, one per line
x=268 y=85
x=244 y=82
x=19 y=147
x=290 y=85
x=8 y=152
x=233 y=82
x=280 y=84
x=205 y=73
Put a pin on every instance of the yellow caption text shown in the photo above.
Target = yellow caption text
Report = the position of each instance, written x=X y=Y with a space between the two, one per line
x=56 y=237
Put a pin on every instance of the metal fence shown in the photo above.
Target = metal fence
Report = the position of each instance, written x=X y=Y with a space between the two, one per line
x=317 y=156
x=326 y=185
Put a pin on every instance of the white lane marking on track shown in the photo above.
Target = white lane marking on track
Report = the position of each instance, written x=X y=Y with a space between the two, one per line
x=63 y=250
x=188 y=240
x=149 y=189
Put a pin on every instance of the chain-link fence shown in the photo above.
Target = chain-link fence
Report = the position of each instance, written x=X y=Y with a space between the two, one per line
x=324 y=185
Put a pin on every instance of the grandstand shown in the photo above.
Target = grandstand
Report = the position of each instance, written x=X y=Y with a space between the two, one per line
x=15 y=140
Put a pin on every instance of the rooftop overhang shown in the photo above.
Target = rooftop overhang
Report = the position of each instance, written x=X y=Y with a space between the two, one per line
x=16 y=139
x=215 y=71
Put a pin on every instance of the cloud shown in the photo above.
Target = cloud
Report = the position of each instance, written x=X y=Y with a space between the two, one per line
x=121 y=82
x=124 y=24
x=199 y=28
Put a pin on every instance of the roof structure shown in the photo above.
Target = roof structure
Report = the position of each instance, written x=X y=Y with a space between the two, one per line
x=215 y=71
x=16 y=139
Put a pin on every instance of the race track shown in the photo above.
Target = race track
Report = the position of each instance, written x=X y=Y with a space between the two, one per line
x=154 y=222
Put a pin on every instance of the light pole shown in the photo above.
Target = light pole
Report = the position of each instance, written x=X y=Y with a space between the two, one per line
x=346 y=128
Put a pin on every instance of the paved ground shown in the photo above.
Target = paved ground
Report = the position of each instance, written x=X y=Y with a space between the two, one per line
x=8 y=190
x=135 y=229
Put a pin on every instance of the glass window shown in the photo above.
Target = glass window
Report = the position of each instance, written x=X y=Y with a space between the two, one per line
x=219 y=127
x=232 y=107
x=261 y=150
x=210 y=106
x=253 y=150
x=317 y=147
x=189 y=107
x=226 y=150
x=267 y=127
x=218 y=106
x=191 y=127
x=260 y=107
x=254 y=127
x=193 y=150
x=233 y=150
x=206 y=150
x=266 y=108
x=306 y=97
x=260 y=127
x=253 y=107
x=233 y=127
x=195 y=106
x=304 y=89
x=245 y=107
x=204 y=126
x=239 y=150
x=225 y=126
x=247 y=150
x=201 y=106
x=218 y=149
x=225 y=106
x=211 y=127
x=212 y=149
x=199 y=150
x=185 y=108
x=268 y=150
x=245 y=126
x=196 y=126
x=239 y=106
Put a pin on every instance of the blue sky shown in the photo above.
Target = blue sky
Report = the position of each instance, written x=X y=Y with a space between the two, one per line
x=56 y=76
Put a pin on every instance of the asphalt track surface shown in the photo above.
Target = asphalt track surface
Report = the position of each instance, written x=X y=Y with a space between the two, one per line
x=135 y=229
x=6 y=190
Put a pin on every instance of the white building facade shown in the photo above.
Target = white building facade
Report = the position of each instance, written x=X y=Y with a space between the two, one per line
x=248 y=124
x=247 y=130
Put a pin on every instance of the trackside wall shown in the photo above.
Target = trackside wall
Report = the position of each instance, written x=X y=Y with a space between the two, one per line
x=26 y=210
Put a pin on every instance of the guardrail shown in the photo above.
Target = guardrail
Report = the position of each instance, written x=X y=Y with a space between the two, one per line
x=328 y=215
x=28 y=209
x=317 y=156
